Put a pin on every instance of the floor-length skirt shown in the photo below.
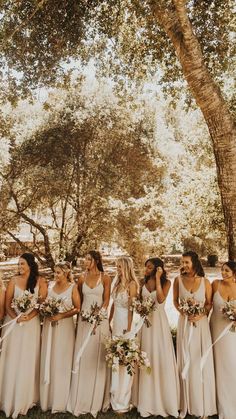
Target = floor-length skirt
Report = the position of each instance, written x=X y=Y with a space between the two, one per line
x=19 y=368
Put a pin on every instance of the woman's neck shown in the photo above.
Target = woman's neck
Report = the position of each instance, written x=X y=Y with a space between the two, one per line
x=62 y=283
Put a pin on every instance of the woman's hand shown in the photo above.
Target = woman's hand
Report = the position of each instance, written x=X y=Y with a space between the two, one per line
x=23 y=318
x=56 y=318
x=159 y=272
x=196 y=318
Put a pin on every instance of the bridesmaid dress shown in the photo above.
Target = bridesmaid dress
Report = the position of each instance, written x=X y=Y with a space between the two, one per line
x=225 y=361
x=19 y=365
x=89 y=392
x=120 y=392
x=197 y=390
x=159 y=391
x=54 y=393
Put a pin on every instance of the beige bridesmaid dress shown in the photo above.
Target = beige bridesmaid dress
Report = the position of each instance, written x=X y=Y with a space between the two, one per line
x=56 y=358
x=225 y=361
x=158 y=392
x=19 y=365
x=89 y=392
x=197 y=390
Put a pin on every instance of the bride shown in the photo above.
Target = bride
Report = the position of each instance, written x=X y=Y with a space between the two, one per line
x=126 y=287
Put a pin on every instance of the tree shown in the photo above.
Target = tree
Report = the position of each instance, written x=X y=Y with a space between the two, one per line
x=36 y=37
x=64 y=178
x=129 y=34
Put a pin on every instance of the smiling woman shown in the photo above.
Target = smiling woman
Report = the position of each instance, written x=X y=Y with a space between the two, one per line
x=19 y=362
x=90 y=369
x=58 y=342
x=197 y=386
x=224 y=350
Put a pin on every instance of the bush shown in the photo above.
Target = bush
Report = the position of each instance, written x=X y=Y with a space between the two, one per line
x=212 y=259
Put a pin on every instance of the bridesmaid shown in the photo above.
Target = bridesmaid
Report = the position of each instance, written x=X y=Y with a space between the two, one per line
x=224 y=349
x=159 y=391
x=19 y=361
x=126 y=287
x=89 y=391
x=197 y=389
x=58 y=343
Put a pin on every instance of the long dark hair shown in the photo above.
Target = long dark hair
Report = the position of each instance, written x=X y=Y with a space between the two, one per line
x=232 y=265
x=97 y=258
x=157 y=262
x=197 y=266
x=34 y=271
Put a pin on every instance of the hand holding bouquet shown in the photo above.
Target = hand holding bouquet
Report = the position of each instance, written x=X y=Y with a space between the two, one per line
x=191 y=308
x=94 y=316
x=126 y=352
x=229 y=311
x=25 y=303
x=53 y=306
x=143 y=307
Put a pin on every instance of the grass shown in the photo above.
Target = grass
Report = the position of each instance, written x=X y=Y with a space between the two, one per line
x=36 y=413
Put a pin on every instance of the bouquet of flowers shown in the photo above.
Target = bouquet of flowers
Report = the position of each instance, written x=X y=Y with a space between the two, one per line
x=229 y=311
x=52 y=306
x=25 y=302
x=191 y=307
x=143 y=307
x=94 y=316
x=126 y=352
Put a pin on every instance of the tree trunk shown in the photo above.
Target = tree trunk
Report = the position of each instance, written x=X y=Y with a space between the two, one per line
x=207 y=94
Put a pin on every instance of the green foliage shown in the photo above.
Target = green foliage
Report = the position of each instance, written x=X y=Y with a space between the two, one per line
x=123 y=36
x=63 y=180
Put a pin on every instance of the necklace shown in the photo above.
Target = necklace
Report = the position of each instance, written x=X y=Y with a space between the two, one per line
x=192 y=287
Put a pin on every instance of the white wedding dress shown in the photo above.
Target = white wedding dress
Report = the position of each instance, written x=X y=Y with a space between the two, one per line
x=121 y=381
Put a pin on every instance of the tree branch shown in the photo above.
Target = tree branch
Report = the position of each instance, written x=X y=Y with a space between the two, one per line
x=25 y=22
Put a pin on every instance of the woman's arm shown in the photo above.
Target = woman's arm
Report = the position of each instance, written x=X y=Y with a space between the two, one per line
x=132 y=294
x=9 y=297
x=176 y=294
x=2 y=303
x=208 y=295
x=111 y=313
x=161 y=293
x=79 y=286
x=73 y=311
x=107 y=291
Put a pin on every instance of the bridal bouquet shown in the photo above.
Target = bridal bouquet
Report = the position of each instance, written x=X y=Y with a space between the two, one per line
x=229 y=311
x=25 y=302
x=126 y=352
x=52 y=306
x=143 y=307
x=95 y=315
x=191 y=307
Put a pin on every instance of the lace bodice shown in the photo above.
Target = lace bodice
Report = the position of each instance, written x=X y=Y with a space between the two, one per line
x=121 y=299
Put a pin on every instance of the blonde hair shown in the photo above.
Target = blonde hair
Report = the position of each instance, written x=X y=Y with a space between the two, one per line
x=127 y=273
x=65 y=266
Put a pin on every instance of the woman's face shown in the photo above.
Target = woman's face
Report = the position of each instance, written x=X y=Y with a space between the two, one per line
x=89 y=262
x=227 y=273
x=186 y=265
x=149 y=268
x=23 y=267
x=59 y=274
